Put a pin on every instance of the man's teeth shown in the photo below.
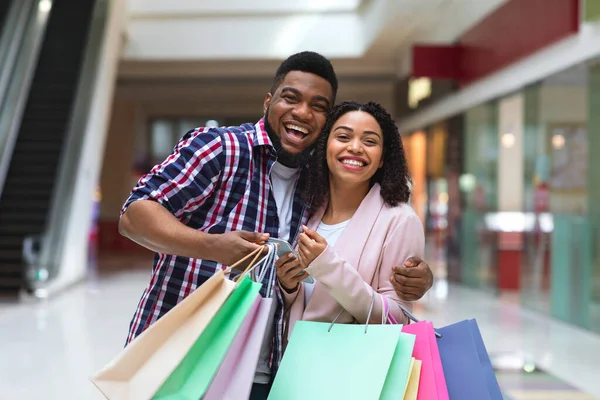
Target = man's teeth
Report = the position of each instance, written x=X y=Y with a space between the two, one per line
x=354 y=163
x=297 y=128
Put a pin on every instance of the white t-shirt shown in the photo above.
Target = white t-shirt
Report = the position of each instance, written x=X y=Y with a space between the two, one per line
x=283 y=185
x=331 y=233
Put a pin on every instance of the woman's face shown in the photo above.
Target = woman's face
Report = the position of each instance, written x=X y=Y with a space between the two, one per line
x=355 y=148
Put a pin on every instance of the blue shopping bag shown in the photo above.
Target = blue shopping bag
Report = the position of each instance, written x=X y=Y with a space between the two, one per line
x=467 y=366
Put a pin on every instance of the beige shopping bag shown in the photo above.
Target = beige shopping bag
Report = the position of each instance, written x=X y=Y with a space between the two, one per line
x=144 y=365
x=412 y=387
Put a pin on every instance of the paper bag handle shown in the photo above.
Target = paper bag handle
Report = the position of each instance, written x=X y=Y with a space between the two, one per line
x=255 y=253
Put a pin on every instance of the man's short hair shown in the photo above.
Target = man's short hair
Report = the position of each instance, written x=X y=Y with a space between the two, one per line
x=307 y=61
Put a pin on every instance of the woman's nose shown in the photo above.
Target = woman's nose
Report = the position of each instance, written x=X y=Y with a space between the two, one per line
x=355 y=146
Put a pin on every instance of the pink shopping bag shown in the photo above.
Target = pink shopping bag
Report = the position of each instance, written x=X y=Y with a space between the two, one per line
x=234 y=378
x=432 y=383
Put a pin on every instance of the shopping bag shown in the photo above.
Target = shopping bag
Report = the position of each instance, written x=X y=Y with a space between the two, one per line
x=412 y=387
x=398 y=374
x=140 y=369
x=467 y=366
x=235 y=376
x=343 y=361
x=191 y=378
x=432 y=382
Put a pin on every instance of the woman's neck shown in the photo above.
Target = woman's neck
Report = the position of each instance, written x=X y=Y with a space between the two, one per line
x=344 y=200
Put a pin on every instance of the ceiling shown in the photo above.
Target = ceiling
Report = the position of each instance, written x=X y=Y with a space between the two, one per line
x=191 y=38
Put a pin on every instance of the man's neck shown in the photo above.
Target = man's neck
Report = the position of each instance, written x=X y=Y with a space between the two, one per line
x=344 y=200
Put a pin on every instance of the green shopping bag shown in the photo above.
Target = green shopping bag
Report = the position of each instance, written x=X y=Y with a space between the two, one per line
x=343 y=362
x=192 y=377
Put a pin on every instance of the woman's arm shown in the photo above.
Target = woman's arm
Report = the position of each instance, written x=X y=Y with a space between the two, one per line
x=345 y=284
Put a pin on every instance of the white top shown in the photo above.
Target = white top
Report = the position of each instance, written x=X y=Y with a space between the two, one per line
x=283 y=185
x=331 y=233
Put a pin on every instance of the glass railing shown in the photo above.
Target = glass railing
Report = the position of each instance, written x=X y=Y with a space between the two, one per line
x=20 y=44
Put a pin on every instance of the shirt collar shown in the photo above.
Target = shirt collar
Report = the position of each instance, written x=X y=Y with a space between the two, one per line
x=261 y=137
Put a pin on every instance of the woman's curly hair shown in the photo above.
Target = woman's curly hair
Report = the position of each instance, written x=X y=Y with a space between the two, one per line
x=393 y=177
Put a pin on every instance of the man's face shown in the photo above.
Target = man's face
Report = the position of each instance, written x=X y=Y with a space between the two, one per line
x=296 y=112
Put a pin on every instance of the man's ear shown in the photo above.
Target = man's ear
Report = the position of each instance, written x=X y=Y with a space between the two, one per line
x=267 y=102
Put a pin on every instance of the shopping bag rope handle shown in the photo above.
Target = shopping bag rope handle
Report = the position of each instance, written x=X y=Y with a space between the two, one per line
x=368 y=316
x=412 y=317
x=255 y=253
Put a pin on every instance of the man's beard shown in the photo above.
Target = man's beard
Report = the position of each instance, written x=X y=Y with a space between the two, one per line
x=284 y=157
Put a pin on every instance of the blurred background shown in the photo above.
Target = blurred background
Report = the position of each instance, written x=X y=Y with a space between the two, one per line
x=498 y=103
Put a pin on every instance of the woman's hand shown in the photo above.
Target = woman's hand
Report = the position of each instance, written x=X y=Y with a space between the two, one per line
x=310 y=246
x=288 y=267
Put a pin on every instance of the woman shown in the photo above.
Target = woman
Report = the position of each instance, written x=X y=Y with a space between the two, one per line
x=361 y=224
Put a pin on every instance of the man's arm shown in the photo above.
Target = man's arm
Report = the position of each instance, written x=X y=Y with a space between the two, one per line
x=150 y=225
x=181 y=184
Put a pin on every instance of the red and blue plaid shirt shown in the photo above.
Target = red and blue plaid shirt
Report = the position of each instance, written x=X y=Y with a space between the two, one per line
x=216 y=180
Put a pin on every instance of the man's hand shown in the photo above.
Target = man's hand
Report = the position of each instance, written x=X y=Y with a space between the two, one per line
x=230 y=247
x=288 y=267
x=310 y=246
x=412 y=280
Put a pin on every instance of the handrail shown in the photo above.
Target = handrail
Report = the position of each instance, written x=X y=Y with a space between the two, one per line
x=25 y=49
x=10 y=40
x=52 y=245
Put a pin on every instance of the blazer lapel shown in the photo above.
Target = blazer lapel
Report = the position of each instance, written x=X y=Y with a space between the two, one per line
x=351 y=244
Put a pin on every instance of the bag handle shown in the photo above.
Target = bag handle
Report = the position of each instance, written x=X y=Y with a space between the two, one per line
x=410 y=316
x=255 y=253
x=368 y=316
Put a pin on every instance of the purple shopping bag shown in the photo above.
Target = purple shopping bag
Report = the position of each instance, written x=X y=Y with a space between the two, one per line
x=467 y=366
x=234 y=378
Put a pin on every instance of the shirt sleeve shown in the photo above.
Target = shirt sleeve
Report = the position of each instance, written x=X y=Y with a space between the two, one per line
x=184 y=181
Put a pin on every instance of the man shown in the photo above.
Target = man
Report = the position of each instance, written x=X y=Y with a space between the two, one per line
x=223 y=191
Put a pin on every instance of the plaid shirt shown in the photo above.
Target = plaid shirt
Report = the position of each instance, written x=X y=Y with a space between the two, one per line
x=216 y=180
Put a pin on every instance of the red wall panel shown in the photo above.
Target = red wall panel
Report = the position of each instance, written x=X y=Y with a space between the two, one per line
x=515 y=30
x=436 y=62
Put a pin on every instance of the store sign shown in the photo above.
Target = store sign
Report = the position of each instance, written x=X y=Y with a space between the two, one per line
x=418 y=89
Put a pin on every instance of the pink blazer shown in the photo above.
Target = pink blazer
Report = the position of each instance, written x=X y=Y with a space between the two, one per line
x=376 y=238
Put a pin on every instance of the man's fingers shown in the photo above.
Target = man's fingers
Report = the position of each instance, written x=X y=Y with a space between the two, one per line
x=405 y=281
x=412 y=262
x=406 y=293
x=408 y=272
x=254 y=237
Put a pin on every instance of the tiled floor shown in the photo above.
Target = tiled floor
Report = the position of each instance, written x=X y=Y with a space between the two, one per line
x=49 y=349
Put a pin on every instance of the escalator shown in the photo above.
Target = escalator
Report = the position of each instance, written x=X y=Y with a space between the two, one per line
x=4 y=6
x=26 y=196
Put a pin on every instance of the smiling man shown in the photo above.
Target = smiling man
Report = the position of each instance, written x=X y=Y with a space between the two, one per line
x=223 y=191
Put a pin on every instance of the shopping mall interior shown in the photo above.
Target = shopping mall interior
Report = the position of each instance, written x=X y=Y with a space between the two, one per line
x=496 y=102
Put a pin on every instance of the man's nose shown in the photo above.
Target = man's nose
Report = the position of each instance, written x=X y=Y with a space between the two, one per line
x=302 y=111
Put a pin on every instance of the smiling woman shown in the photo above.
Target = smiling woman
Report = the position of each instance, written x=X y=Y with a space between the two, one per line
x=356 y=136
x=361 y=225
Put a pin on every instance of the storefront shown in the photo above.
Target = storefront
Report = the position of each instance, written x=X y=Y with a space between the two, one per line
x=530 y=216
x=434 y=156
